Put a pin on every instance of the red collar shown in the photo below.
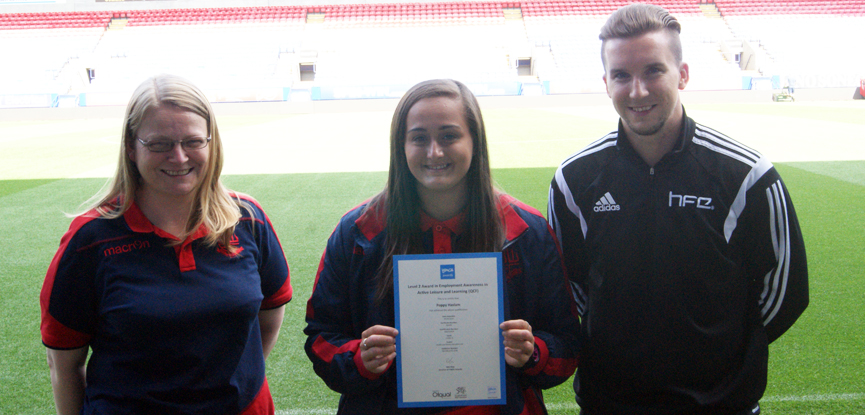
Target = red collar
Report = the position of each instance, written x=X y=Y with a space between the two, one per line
x=139 y=223
x=455 y=224
x=372 y=221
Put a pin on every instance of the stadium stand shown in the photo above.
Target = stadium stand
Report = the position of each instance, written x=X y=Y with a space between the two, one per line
x=805 y=42
x=377 y=49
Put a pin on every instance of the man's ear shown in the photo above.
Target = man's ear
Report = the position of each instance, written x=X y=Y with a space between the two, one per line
x=607 y=86
x=683 y=75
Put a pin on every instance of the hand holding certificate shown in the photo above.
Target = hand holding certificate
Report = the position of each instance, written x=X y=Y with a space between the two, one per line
x=448 y=311
x=378 y=348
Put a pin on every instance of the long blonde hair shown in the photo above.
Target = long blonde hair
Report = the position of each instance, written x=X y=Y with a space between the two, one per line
x=213 y=205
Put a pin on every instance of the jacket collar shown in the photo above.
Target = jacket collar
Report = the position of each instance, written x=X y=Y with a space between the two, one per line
x=683 y=142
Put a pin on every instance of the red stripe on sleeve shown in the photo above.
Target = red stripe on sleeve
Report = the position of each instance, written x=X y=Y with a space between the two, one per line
x=358 y=361
x=284 y=294
x=543 y=356
x=310 y=311
x=561 y=367
x=55 y=334
x=262 y=404
x=327 y=351
x=280 y=297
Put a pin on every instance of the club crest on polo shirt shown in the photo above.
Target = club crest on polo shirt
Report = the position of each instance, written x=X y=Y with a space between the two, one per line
x=235 y=242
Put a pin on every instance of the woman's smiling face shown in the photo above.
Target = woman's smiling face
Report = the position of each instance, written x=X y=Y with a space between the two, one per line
x=174 y=175
x=438 y=146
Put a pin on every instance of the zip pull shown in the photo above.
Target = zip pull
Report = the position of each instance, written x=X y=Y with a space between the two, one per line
x=651 y=171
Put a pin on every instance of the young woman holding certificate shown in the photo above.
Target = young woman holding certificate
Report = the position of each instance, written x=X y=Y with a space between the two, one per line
x=439 y=198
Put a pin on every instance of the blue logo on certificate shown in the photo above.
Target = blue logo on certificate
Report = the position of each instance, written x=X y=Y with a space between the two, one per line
x=448 y=272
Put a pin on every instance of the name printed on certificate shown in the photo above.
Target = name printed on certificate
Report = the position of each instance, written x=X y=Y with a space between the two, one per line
x=448 y=310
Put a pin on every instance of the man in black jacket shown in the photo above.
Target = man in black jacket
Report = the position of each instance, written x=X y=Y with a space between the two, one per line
x=682 y=245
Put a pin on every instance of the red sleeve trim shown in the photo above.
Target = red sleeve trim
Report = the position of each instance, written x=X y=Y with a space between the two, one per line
x=55 y=334
x=358 y=361
x=310 y=311
x=514 y=224
x=284 y=293
x=280 y=297
x=372 y=221
x=543 y=357
x=561 y=367
x=326 y=351
x=262 y=404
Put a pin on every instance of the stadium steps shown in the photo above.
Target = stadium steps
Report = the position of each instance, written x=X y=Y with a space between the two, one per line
x=710 y=10
x=512 y=13
x=314 y=17
x=118 y=23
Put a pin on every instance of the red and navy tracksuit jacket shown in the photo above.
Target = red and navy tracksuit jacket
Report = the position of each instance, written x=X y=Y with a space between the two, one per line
x=342 y=306
x=172 y=329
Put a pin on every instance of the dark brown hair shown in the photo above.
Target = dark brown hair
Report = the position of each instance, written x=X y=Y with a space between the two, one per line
x=400 y=201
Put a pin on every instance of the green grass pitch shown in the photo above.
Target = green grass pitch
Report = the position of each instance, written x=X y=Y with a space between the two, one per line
x=815 y=368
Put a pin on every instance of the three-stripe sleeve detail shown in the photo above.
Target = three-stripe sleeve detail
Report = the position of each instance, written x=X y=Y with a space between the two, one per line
x=719 y=143
x=758 y=169
x=775 y=282
x=560 y=184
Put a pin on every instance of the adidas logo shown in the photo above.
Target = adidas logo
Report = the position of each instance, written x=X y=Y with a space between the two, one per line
x=606 y=204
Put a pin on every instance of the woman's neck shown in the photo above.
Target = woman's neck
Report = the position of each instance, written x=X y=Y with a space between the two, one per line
x=442 y=206
x=170 y=215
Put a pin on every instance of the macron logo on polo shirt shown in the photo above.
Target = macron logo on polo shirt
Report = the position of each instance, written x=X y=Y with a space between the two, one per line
x=132 y=246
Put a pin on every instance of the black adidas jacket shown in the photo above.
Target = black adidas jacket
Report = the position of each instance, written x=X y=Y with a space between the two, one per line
x=684 y=272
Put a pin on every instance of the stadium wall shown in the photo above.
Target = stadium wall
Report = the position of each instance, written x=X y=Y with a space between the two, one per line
x=31 y=6
x=388 y=104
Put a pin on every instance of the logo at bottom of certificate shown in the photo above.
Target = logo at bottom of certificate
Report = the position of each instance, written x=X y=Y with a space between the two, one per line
x=492 y=392
x=461 y=393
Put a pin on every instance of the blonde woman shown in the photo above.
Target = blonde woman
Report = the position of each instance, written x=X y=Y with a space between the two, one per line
x=173 y=284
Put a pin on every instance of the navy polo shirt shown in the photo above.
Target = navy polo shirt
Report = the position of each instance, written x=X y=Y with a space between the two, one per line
x=172 y=328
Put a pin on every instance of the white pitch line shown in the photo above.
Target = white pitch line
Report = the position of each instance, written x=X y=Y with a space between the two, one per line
x=565 y=406
x=816 y=398
x=315 y=411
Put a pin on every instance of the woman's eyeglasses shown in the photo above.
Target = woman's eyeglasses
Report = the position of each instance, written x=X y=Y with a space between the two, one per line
x=162 y=146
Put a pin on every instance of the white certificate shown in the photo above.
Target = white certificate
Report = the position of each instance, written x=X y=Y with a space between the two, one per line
x=448 y=310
